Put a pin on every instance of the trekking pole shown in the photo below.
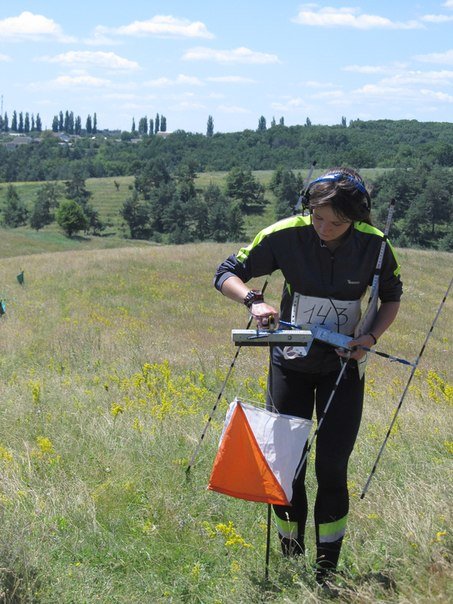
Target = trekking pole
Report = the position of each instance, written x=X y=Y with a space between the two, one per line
x=371 y=309
x=414 y=368
x=321 y=420
x=268 y=541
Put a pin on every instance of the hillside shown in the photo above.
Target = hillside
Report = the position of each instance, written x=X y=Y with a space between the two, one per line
x=111 y=360
x=108 y=197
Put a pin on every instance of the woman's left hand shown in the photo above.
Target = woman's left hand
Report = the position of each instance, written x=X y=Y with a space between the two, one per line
x=357 y=354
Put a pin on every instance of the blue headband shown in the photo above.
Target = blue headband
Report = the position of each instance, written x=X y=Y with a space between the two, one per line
x=335 y=176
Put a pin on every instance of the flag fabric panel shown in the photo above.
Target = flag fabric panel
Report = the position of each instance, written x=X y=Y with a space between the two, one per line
x=258 y=454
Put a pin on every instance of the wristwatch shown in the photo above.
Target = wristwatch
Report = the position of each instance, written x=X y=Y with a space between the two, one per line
x=254 y=295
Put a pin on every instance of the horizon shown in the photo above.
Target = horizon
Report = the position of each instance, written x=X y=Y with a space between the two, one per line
x=233 y=62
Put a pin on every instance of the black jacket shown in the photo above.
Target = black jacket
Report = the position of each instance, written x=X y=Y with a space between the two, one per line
x=309 y=268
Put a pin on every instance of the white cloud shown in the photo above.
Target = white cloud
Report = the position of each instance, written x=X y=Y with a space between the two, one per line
x=5 y=58
x=187 y=106
x=180 y=80
x=375 y=69
x=232 y=109
x=161 y=25
x=123 y=96
x=328 y=16
x=317 y=84
x=437 y=57
x=237 y=55
x=448 y=4
x=231 y=80
x=383 y=92
x=105 y=60
x=438 y=96
x=72 y=81
x=437 y=18
x=443 y=77
x=368 y=69
x=33 y=27
x=289 y=104
x=330 y=95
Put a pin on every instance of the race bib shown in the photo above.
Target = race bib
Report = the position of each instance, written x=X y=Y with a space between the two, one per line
x=340 y=316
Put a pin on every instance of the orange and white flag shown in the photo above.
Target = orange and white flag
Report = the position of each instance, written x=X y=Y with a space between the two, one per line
x=258 y=454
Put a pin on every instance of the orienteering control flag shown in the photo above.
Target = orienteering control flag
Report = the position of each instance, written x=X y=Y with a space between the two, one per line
x=258 y=454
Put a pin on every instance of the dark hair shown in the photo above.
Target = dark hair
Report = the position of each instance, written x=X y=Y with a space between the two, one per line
x=344 y=190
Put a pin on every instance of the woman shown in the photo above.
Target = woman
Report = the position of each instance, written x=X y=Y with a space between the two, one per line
x=327 y=259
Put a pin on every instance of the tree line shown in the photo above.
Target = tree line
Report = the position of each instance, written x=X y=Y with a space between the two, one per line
x=382 y=143
x=167 y=207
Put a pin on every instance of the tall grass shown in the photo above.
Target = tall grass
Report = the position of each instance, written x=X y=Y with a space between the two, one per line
x=111 y=361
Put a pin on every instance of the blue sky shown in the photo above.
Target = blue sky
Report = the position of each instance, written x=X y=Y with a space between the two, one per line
x=235 y=60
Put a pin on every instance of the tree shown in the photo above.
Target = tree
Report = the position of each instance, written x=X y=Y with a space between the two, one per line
x=151 y=127
x=136 y=214
x=163 y=124
x=15 y=212
x=20 y=127
x=78 y=125
x=210 y=127
x=55 y=123
x=77 y=191
x=89 y=125
x=153 y=175
x=286 y=187
x=71 y=217
x=27 y=123
x=143 y=126
x=95 y=123
x=262 y=124
x=235 y=223
x=14 y=122
x=47 y=199
x=246 y=190
x=38 y=123
x=157 y=124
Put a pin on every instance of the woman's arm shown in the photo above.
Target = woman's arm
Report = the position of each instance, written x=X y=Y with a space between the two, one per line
x=235 y=289
x=385 y=316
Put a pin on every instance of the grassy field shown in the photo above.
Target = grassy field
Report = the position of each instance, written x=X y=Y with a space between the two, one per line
x=111 y=360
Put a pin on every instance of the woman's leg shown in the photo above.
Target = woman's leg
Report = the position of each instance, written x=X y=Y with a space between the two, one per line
x=334 y=445
x=292 y=393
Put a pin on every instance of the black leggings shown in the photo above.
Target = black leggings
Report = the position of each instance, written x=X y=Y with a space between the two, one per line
x=296 y=393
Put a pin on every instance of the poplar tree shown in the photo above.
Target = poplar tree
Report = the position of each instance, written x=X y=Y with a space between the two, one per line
x=210 y=127
x=262 y=124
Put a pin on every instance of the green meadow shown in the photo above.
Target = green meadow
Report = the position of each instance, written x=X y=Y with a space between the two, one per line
x=111 y=361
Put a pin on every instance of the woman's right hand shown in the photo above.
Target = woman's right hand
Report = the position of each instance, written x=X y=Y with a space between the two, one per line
x=266 y=316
